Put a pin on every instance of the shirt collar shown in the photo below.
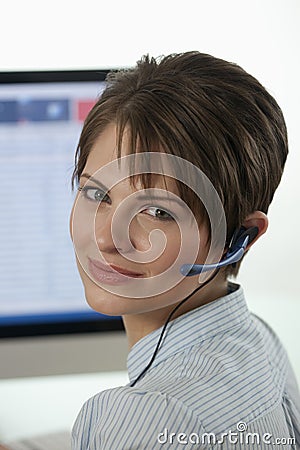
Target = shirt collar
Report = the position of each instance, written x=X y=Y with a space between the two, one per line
x=189 y=329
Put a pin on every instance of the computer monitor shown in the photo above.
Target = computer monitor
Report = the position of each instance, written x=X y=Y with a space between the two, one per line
x=41 y=295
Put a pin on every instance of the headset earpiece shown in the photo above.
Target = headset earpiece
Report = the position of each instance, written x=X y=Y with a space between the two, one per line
x=240 y=235
x=239 y=240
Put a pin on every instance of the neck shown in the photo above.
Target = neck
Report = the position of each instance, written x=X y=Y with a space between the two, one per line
x=139 y=325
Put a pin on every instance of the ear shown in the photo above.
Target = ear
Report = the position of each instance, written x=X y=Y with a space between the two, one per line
x=256 y=219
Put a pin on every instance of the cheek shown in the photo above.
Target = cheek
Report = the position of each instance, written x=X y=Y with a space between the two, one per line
x=193 y=249
x=71 y=223
x=168 y=252
x=80 y=226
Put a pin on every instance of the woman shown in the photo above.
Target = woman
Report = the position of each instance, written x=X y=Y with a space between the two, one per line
x=176 y=165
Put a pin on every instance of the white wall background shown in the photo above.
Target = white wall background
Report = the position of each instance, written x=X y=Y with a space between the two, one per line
x=262 y=36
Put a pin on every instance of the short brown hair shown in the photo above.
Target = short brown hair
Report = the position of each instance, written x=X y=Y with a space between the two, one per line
x=205 y=110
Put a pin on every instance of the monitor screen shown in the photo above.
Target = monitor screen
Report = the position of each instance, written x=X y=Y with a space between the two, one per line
x=41 y=116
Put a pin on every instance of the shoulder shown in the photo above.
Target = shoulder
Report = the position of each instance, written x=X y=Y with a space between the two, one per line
x=273 y=348
x=127 y=417
x=134 y=401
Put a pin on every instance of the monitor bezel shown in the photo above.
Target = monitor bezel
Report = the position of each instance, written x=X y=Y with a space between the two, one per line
x=53 y=76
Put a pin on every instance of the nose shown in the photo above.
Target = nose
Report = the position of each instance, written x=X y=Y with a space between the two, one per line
x=104 y=234
x=118 y=236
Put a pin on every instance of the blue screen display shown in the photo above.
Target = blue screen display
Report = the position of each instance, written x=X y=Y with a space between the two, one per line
x=40 y=124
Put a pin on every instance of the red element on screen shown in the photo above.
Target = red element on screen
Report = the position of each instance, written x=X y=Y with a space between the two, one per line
x=83 y=108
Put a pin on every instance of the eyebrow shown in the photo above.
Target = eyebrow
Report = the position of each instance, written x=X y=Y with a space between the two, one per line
x=139 y=196
x=89 y=177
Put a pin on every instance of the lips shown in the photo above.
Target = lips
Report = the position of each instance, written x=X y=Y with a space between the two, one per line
x=125 y=272
x=110 y=274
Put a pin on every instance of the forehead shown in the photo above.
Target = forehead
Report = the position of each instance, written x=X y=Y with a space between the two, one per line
x=102 y=161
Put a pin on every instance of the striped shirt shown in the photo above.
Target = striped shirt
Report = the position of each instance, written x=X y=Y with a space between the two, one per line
x=221 y=380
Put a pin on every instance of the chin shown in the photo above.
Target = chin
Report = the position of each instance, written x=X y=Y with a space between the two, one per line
x=103 y=302
x=109 y=304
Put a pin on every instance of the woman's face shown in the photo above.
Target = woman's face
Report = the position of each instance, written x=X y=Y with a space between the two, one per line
x=129 y=245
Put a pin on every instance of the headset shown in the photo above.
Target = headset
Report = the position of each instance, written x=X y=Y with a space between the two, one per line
x=241 y=238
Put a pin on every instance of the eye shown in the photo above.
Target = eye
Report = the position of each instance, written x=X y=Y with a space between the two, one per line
x=94 y=194
x=158 y=213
